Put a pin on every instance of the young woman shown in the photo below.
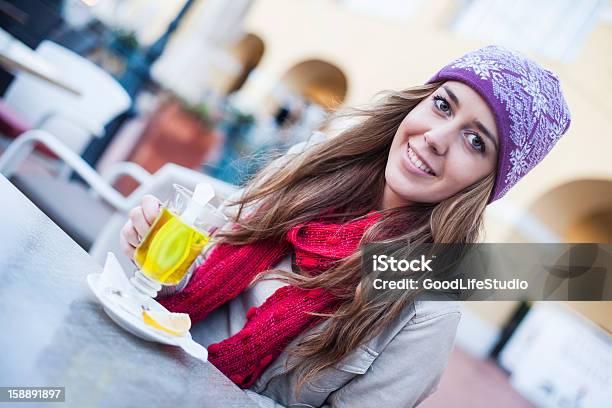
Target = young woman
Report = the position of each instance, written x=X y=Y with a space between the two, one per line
x=420 y=166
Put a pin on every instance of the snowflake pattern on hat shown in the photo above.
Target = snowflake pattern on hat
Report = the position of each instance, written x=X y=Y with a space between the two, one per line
x=528 y=103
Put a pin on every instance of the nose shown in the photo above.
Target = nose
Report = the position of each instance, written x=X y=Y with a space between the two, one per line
x=438 y=140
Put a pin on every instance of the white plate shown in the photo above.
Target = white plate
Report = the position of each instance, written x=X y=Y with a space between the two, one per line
x=130 y=322
x=135 y=325
x=126 y=310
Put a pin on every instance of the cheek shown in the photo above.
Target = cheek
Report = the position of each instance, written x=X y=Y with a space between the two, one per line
x=418 y=121
x=466 y=169
x=399 y=141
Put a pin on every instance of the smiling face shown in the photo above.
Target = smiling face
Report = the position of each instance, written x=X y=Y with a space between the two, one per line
x=445 y=144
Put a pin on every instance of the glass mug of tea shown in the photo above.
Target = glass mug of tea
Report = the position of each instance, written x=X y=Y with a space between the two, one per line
x=185 y=225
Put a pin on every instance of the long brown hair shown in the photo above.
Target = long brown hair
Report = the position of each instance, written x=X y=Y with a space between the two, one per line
x=346 y=174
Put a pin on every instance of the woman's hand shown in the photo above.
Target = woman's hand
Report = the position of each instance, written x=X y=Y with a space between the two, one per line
x=138 y=225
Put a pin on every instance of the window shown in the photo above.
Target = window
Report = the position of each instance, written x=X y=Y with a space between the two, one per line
x=398 y=10
x=555 y=29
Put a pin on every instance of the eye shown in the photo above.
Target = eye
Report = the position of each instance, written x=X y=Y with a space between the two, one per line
x=442 y=104
x=476 y=142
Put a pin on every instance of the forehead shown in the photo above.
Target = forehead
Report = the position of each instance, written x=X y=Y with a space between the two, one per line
x=471 y=104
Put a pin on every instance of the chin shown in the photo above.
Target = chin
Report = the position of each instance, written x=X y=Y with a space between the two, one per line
x=405 y=191
x=402 y=190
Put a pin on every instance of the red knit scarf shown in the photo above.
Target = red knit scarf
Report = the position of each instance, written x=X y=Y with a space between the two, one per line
x=285 y=314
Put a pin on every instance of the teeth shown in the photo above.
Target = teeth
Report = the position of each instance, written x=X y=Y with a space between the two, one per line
x=415 y=160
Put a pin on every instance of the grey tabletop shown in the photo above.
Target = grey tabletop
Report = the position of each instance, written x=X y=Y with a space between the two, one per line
x=54 y=333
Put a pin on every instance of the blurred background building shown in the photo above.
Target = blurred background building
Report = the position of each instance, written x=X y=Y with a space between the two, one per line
x=217 y=85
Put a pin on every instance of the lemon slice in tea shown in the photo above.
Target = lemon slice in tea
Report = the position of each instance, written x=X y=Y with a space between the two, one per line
x=175 y=324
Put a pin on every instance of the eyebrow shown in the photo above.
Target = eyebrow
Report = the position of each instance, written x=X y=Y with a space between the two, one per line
x=479 y=124
x=452 y=95
x=486 y=132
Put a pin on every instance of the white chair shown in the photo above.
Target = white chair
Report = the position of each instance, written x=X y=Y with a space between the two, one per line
x=76 y=118
x=160 y=185
x=93 y=216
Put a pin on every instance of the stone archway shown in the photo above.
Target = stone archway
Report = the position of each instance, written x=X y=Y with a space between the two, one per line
x=248 y=51
x=578 y=211
x=317 y=81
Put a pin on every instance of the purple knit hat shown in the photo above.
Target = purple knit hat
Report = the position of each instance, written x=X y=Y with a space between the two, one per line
x=526 y=99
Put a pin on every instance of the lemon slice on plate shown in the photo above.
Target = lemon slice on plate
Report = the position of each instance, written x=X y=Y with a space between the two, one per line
x=175 y=324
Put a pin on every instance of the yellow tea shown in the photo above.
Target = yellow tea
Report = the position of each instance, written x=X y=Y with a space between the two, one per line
x=169 y=249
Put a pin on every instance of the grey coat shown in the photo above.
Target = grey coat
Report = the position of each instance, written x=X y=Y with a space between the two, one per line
x=398 y=368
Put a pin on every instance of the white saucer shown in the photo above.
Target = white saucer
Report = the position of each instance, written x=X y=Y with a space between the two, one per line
x=126 y=320
x=135 y=325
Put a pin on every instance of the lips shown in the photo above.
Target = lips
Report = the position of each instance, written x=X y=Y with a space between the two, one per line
x=418 y=162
